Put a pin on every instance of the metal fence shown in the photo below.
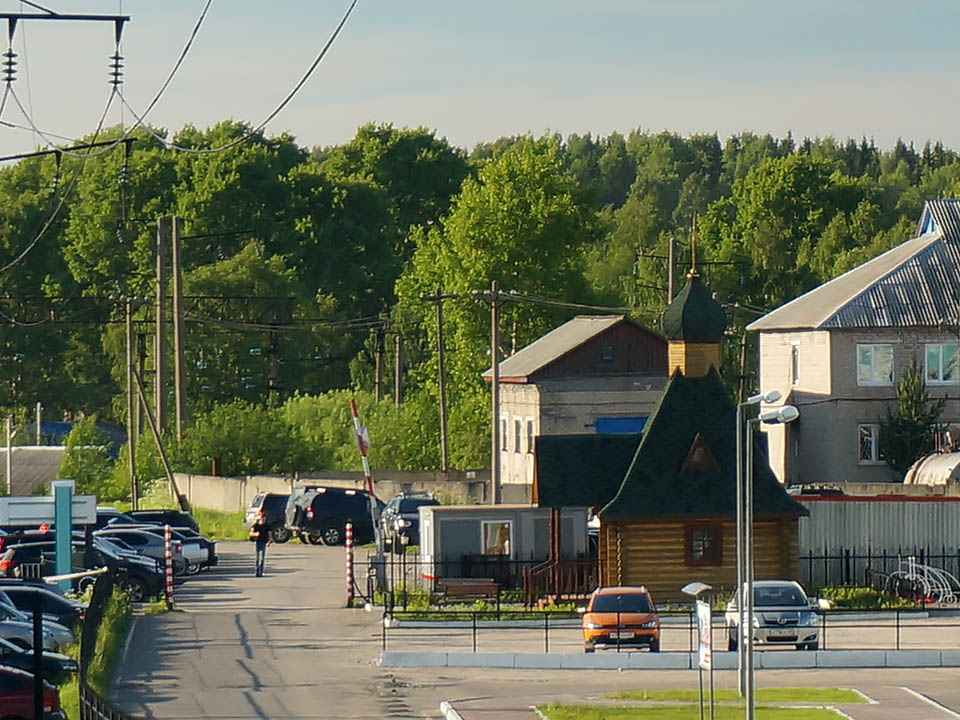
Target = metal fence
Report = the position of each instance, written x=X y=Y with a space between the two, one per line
x=92 y=706
x=536 y=631
x=854 y=566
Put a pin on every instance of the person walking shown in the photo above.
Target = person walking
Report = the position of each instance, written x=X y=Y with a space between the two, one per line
x=260 y=535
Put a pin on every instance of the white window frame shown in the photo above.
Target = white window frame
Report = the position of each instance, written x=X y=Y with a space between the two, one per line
x=876 y=458
x=530 y=435
x=873 y=382
x=938 y=380
x=483 y=537
x=517 y=435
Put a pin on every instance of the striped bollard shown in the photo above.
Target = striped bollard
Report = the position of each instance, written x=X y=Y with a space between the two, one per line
x=168 y=565
x=348 y=543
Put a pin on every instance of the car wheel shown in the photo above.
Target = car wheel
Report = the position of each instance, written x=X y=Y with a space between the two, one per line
x=280 y=535
x=136 y=589
x=731 y=642
x=815 y=645
x=654 y=646
x=193 y=568
x=315 y=538
x=588 y=648
x=85 y=583
x=302 y=537
x=332 y=536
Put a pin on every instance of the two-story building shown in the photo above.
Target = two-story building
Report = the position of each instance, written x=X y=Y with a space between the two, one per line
x=593 y=374
x=841 y=349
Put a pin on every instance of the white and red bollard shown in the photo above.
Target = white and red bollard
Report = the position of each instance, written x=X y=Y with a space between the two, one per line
x=168 y=565
x=348 y=543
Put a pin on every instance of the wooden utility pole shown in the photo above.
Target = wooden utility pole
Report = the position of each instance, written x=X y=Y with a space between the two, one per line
x=378 y=363
x=398 y=370
x=141 y=364
x=178 y=339
x=132 y=404
x=160 y=341
x=495 y=391
x=671 y=269
x=437 y=300
x=742 y=392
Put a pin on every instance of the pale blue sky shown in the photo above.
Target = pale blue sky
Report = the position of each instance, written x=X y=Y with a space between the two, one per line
x=476 y=70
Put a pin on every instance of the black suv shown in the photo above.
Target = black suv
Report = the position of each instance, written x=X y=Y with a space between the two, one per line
x=173 y=518
x=319 y=516
x=273 y=507
x=401 y=517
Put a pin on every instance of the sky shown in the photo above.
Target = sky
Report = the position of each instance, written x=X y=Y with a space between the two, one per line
x=476 y=70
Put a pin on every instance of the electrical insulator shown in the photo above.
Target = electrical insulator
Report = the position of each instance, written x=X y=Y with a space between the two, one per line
x=116 y=69
x=9 y=66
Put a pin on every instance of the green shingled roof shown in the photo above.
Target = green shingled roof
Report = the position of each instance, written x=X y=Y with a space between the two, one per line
x=694 y=316
x=656 y=485
x=582 y=470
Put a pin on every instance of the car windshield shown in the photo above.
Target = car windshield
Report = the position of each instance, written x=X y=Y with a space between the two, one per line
x=781 y=595
x=410 y=505
x=622 y=602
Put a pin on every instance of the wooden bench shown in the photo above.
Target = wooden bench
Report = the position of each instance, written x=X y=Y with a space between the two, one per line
x=466 y=589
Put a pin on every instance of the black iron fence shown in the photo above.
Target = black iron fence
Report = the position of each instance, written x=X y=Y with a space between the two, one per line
x=529 y=631
x=854 y=566
x=92 y=706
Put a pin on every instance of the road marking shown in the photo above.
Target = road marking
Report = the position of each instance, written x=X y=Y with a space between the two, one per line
x=862 y=694
x=126 y=643
x=539 y=712
x=931 y=701
x=449 y=712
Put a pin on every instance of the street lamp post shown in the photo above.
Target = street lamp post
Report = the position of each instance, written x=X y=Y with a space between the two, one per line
x=771 y=396
x=782 y=415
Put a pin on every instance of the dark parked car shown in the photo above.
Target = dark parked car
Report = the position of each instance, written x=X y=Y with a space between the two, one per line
x=173 y=518
x=401 y=517
x=65 y=611
x=56 y=668
x=272 y=507
x=16 y=696
x=320 y=516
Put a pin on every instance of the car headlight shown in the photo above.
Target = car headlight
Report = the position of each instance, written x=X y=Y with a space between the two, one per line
x=756 y=621
x=808 y=619
x=593 y=626
x=650 y=624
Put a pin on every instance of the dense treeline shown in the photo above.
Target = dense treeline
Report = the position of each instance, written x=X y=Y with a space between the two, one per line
x=294 y=259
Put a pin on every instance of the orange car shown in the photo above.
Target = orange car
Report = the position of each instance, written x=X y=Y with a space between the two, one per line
x=624 y=616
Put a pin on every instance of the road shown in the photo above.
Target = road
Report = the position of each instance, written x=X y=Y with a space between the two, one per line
x=282 y=646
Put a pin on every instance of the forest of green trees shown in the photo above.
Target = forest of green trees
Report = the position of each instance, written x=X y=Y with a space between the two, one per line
x=299 y=263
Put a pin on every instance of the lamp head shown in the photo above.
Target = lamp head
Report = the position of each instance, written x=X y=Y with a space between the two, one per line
x=781 y=415
x=767 y=398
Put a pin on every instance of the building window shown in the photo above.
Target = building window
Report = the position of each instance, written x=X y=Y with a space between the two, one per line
x=608 y=352
x=529 y=436
x=794 y=364
x=504 y=438
x=517 y=434
x=875 y=364
x=703 y=544
x=941 y=363
x=869 y=439
x=495 y=535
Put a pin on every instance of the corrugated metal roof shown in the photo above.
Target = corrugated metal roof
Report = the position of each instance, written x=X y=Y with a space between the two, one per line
x=916 y=284
x=555 y=344
x=33 y=466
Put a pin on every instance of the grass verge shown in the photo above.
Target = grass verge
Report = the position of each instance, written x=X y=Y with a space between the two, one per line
x=218 y=525
x=763 y=695
x=681 y=712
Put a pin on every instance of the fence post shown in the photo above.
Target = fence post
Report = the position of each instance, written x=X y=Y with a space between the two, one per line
x=546 y=632
x=898 y=629
x=383 y=631
x=474 y=614
x=348 y=544
x=823 y=631
x=168 y=566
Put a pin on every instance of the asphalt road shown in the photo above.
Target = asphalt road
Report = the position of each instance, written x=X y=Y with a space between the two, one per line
x=282 y=646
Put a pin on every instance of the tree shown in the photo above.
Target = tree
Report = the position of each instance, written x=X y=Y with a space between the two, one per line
x=87 y=461
x=908 y=435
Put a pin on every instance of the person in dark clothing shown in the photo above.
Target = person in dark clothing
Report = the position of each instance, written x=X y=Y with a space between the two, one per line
x=260 y=536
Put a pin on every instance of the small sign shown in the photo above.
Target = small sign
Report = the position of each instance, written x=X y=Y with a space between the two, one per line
x=704 y=626
x=36 y=510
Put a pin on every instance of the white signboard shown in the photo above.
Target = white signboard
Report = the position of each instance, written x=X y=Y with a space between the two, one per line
x=704 y=620
x=34 y=511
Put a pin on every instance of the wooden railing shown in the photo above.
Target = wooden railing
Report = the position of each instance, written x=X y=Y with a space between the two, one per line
x=560 y=579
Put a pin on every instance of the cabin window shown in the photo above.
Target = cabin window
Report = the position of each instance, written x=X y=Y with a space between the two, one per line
x=869 y=438
x=517 y=435
x=941 y=363
x=504 y=438
x=495 y=537
x=608 y=353
x=875 y=364
x=703 y=544
x=529 y=436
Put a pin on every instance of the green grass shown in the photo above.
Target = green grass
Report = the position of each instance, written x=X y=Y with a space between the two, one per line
x=681 y=712
x=763 y=695
x=218 y=525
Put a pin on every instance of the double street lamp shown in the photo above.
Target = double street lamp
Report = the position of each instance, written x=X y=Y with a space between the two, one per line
x=745 y=483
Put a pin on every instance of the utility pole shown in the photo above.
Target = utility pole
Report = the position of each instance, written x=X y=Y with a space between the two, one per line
x=671 y=269
x=132 y=405
x=494 y=297
x=437 y=300
x=178 y=344
x=141 y=363
x=378 y=363
x=273 y=379
x=160 y=342
x=742 y=392
x=39 y=417
x=398 y=370
x=9 y=468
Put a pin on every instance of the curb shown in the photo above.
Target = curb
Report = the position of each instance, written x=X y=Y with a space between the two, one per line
x=449 y=712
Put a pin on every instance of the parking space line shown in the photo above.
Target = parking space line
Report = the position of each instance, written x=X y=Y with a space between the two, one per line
x=931 y=701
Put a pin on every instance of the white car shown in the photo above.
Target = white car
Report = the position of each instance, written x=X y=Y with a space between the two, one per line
x=781 y=616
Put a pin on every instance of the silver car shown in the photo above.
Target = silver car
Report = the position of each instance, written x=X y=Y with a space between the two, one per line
x=59 y=635
x=781 y=616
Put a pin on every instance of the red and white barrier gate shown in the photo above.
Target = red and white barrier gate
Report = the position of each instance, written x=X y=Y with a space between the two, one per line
x=168 y=565
x=349 y=545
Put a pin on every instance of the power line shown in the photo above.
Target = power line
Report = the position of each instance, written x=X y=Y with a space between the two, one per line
x=233 y=143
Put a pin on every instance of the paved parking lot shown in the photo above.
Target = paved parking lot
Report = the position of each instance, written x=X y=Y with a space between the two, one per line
x=282 y=646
